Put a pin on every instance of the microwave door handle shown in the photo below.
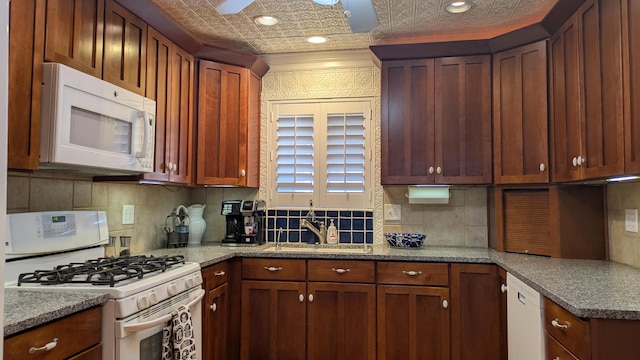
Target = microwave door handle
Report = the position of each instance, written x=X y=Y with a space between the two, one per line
x=161 y=320
x=147 y=127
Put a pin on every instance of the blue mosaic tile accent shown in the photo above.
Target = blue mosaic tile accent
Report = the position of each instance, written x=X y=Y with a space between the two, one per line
x=354 y=227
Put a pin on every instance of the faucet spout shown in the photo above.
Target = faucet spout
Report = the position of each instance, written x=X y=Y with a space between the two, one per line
x=320 y=232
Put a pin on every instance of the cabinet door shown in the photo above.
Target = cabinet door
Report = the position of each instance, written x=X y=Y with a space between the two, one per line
x=74 y=34
x=631 y=59
x=181 y=129
x=341 y=321
x=26 y=42
x=601 y=91
x=407 y=122
x=413 y=322
x=564 y=98
x=273 y=320
x=222 y=124
x=520 y=151
x=125 y=41
x=159 y=50
x=463 y=120
x=216 y=315
x=475 y=315
x=504 y=350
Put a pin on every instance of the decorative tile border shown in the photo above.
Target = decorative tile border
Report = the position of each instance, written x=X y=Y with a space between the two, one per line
x=354 y=227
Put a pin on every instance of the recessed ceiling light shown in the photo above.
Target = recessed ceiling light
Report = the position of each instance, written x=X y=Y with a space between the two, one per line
x=266 y=20
x=326 y=2
x=316 y=39
x=457 y=7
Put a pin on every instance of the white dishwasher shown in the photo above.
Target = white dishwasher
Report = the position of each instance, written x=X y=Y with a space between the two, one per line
x=525 y=319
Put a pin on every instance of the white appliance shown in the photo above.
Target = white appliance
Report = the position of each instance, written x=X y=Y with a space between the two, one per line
x=525 y=321
x=92 y=126
x=143 y=290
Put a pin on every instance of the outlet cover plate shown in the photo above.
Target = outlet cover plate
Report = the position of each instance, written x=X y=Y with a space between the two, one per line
x=392 y=212
x=631 y=220
x=127 y=214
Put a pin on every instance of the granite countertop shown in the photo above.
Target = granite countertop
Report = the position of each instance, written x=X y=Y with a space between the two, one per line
x=25 y=309
x=586 y=288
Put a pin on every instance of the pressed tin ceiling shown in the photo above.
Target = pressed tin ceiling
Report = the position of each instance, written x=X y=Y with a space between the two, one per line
x=401 y=21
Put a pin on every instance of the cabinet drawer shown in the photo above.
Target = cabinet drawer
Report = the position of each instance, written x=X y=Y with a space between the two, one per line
x=274 y=269
x=407 y=273
x=570 y=331
x=557 y=351
x=75 y=333
x=216 y=275
x=342 y=271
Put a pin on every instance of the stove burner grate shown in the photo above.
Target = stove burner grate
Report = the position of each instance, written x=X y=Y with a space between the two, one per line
x=102 y=271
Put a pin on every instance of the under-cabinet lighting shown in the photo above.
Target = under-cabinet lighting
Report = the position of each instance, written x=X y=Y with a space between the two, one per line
x=428 y=194
x=623 y=178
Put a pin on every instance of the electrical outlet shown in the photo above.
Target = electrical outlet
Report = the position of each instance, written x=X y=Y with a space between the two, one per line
x=127 y=215
x=392 y=212
x=631 y=220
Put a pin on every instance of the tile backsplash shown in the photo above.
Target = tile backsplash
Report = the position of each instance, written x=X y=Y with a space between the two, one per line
x=624 y=246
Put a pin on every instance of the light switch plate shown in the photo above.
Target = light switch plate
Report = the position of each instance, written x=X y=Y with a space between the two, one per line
x=392 y=212
x=631 y=220
x=127 y=214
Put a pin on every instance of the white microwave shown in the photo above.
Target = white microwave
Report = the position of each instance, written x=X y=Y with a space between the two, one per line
x=91 y=126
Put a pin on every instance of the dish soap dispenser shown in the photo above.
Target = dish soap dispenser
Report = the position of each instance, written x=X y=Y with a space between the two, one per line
x=332 y=233
x=311 y=219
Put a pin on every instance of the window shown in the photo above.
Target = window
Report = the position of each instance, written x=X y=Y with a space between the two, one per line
x=320 y=151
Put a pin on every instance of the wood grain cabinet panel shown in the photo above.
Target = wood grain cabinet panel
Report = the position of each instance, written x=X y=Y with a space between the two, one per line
x=26 y=46
x=216 y=312
x=520 y=129
x=228 y=125
x=631 y=62
x=125 y=48
x=74 y=34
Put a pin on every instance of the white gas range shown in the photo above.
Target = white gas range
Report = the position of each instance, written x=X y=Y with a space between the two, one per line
x=63 y=250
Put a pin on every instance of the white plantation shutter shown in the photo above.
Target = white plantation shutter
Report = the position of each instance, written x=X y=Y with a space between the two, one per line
x=320 y=152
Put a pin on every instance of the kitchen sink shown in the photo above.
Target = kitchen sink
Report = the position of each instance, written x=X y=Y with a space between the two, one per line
x=321 y=249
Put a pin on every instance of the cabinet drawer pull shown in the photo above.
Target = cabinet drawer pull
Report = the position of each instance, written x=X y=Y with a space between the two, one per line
x=556 y=324
x=310 y=298
x=503 y=288
x=47 y=347
x=213 y=307
x=411 y=272
x=219 y=273
x=542 y=167
x=272 y=268
x=556 y=358
x=340 y=271
x=439 y=170
x=301 y=298
x=445 y=304
x=431 y=170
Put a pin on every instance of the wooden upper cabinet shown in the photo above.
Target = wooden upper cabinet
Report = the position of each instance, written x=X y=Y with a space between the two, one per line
x=463 y=120
x=125 y=44
x=181 y=116
x=631 y=60
x=26 y=44
x=226 y=124
x=408 y=122
x=520 y=138
x=74 y=34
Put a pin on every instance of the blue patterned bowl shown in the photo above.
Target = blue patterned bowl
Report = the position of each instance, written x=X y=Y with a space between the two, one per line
x=405 y=240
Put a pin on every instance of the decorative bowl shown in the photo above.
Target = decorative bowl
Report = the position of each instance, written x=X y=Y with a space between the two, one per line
x=405 y=240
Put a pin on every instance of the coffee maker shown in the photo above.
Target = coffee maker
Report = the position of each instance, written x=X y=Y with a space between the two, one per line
x=245 y=220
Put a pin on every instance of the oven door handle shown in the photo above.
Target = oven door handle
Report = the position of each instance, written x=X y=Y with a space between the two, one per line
x=161 y=320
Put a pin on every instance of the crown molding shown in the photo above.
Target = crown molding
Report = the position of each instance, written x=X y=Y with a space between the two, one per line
x=319 y=60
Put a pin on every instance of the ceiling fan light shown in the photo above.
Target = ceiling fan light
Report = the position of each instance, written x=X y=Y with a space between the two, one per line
x=326 y=2
x=266 y=20
x=457 y=7
x=316 y=39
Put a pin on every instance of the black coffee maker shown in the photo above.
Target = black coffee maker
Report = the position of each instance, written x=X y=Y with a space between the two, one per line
x=246 y=220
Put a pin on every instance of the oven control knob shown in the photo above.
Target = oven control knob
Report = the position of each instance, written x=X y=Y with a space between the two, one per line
x=198 y=278
x=189 y=282
x=172 y=289
x=143 y=302
x=153 y=299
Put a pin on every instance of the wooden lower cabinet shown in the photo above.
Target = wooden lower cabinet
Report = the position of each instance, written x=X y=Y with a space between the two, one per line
x=475 y=328
x=341 y=321
x=413 y=322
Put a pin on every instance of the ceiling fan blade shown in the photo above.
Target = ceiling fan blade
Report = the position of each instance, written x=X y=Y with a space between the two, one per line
x=361 y=14
x=228 y=7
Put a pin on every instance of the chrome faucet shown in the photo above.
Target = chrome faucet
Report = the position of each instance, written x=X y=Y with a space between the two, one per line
x=321 y=232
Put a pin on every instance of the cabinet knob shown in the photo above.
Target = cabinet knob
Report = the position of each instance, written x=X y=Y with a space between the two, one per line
x=581 y=160
x=431 y=170
x=116 y=93
x=503 y=288
x=556 y=324
x=439 y=170
x=169 y=167
x=219 y=273
x=47 y=347
x=542 y=167
x=310 y=298
x=574 y=161
x=243 y=172
x=445 y=304
x=213 y=307
x=301 y=298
